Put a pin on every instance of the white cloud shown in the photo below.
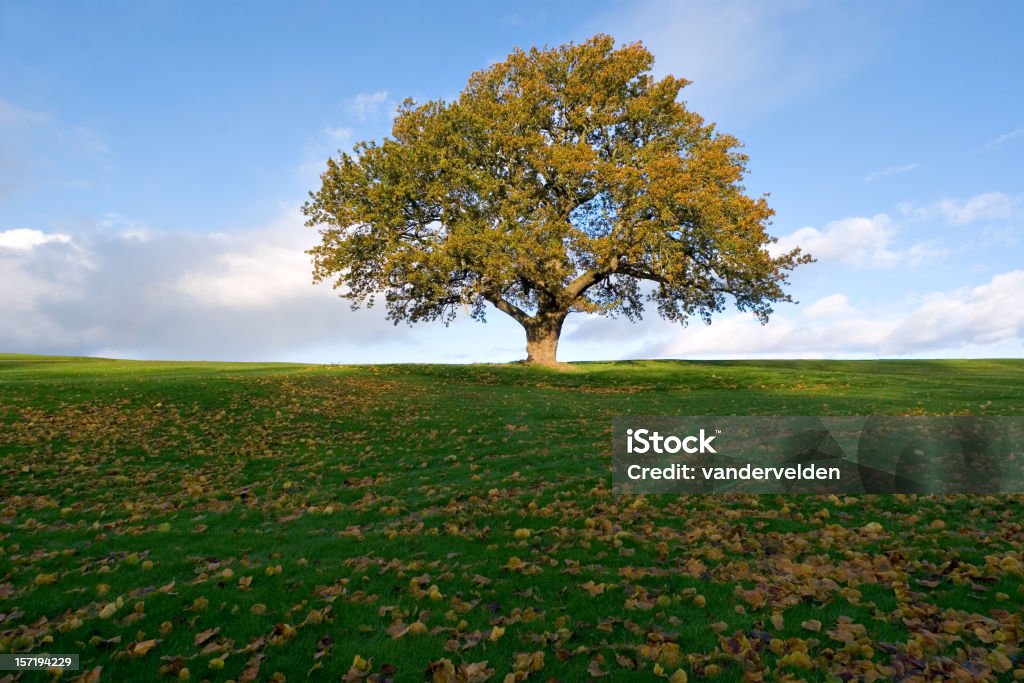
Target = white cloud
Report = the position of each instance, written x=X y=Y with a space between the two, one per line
x=37 y=270
x=242 y=295
x=261 y=271
x=893 y=170
x=980 y=317
x=921 y=252
x=339 y=135
x=368 y=105
x=986 y=206
x=855 y=241
x=1005 y=137
x=26 y=238
x=1005 y=236
x=831 y=306
x=128 y=228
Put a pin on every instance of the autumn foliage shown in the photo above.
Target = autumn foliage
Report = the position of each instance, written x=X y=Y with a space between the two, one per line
x=561 y=180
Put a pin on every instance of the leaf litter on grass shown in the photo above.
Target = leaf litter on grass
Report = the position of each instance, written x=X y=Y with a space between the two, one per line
x=372 y=524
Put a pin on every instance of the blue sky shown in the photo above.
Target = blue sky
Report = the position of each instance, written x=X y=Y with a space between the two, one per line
x=153 y=157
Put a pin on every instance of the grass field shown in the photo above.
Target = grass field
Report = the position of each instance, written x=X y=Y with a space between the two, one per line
x=456 y=523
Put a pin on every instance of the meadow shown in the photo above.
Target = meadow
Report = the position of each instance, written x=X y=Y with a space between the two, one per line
x=271 y=522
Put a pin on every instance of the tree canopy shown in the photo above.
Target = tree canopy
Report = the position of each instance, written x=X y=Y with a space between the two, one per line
x=561 y=180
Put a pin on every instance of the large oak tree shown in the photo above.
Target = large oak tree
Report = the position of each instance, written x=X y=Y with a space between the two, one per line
x=561 y=180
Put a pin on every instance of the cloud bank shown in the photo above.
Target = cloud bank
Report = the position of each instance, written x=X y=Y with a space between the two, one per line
x=124 y=290
x=243 y=295
x=987 y=315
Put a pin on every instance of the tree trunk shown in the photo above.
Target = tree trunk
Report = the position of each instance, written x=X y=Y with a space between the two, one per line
x=542 y=338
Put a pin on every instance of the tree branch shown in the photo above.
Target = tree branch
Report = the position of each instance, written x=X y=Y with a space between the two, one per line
x=643 y=274
x=508 y=308
x=590 y=278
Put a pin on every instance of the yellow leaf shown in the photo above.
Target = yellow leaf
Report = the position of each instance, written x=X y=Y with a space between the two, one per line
x=678 y=677
x=139 y=649
x=1010 y=564
x=952 y=626
x=811 y=625
x=999 y=661
x=514 y=564
x=282 y=633
x=797 y=659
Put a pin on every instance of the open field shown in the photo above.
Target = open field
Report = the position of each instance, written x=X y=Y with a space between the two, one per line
x=240 y=521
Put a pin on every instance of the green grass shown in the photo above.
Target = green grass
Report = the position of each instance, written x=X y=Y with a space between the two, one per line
x=137 y=500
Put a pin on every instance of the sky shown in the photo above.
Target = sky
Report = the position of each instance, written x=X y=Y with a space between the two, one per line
x=154 y=157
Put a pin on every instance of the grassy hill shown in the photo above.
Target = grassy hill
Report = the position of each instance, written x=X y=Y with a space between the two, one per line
x=396 y=522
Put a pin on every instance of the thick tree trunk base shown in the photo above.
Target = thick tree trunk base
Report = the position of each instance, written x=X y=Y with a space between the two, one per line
x=542 y=341
x=543 y=351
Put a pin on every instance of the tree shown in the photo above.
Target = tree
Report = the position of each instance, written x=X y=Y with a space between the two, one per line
x=559 y=181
